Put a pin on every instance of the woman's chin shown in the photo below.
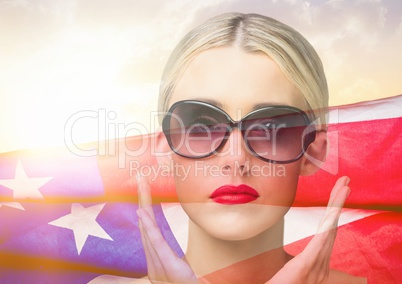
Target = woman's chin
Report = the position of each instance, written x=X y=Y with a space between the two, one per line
x=235 y=223
x=234 y=233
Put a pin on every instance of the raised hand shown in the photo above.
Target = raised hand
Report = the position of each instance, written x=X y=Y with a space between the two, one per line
x=312 y=264
x=164 y=266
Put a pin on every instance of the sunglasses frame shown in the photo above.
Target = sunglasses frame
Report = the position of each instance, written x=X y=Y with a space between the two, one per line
x=308 y=138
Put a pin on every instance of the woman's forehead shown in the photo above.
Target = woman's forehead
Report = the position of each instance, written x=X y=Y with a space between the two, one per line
x=233 y=79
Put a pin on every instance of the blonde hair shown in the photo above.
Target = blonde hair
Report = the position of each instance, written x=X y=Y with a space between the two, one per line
x=294 y=55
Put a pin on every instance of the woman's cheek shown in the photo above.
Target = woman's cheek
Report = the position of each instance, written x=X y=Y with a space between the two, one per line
x=188 y=181
x=280 y=190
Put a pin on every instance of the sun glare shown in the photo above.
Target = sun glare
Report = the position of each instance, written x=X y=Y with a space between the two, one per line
x=77 y=73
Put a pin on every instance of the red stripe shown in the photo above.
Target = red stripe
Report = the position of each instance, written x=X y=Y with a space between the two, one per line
x=370 y=153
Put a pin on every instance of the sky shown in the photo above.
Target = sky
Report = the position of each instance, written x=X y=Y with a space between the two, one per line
x=81 y=70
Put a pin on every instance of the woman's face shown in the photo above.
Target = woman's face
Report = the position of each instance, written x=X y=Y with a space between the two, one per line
x=237 y=82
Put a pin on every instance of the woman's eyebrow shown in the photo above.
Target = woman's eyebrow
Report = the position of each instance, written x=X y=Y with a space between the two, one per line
x=262 y=105
x=210 y=101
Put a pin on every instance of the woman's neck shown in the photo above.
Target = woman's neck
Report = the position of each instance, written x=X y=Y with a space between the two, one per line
x=258 y=258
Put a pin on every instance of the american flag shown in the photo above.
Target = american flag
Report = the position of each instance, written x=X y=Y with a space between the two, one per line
x=71 y=219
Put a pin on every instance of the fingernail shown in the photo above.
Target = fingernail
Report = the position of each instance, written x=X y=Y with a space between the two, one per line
x=347 y=180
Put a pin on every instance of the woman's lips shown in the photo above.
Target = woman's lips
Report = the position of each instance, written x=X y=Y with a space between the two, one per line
x=231 y=194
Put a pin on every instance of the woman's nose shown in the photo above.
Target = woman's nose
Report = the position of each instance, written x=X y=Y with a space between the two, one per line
x=234 y=153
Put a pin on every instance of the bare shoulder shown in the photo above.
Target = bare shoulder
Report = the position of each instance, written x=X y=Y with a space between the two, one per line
x=336 y=277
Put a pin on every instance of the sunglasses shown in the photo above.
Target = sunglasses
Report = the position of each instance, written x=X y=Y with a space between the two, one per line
x=275 y=134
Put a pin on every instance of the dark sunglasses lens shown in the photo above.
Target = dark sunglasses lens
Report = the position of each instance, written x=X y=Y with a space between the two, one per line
x=195 y=130
x=275 y=134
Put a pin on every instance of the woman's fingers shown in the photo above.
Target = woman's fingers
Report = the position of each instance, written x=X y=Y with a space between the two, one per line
x=326 y=230
x=312 y=264
x=154 y=265
x=318 y=252
x=144 y=195
x=164 y=266
x=173 y=266
x=335 y=204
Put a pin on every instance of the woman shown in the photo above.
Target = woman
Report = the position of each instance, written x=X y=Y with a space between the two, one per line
x=240 y=93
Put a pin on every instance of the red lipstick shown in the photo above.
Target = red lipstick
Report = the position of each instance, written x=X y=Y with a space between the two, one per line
x=231 y=194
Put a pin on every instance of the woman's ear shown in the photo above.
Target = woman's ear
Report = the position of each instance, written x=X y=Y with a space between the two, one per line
x=163 y=152
x=315 y=154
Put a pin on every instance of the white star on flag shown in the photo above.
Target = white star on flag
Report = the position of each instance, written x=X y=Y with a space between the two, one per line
x=24 y=186
x=82 y=221
x=15 y=205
